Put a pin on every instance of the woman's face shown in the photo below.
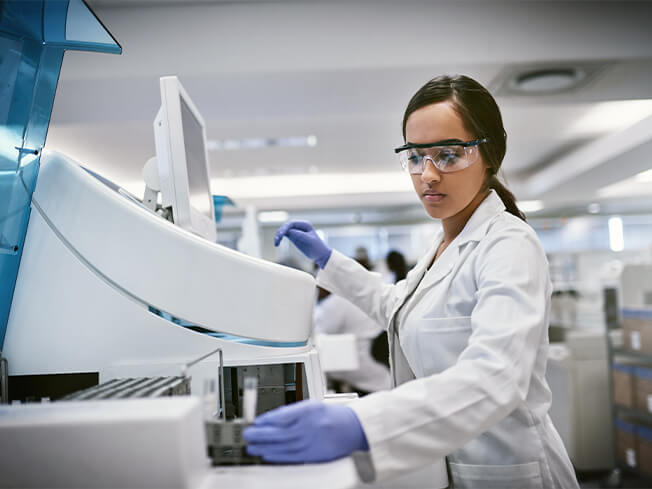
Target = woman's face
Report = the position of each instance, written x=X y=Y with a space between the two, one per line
x=443 y=195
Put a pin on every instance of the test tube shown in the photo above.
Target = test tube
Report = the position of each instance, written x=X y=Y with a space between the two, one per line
x=250 y=399
x=209 y=399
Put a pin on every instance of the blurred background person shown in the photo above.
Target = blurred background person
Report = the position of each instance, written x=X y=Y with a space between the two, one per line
x=396 y=264
x=362 y=257
x=336 y=315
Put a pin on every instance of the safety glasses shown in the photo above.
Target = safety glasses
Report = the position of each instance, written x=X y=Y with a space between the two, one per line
x=448 y=156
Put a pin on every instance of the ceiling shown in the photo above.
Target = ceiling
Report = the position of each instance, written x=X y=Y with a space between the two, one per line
x=344 y=71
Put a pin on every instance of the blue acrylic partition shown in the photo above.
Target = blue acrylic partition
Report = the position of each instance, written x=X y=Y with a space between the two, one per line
x=33 y=37
x=219 y=201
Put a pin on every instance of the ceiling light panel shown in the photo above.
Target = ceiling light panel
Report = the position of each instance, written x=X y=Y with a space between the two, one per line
x=309 y=141
x=605 y=117
x=312 y=185
x=530 y=205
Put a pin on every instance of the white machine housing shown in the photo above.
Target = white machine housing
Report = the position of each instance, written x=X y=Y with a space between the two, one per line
x=578 y=375
x=95 y=263
x=125 y=443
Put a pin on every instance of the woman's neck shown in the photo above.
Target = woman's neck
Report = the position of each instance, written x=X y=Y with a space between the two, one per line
x=453 y=225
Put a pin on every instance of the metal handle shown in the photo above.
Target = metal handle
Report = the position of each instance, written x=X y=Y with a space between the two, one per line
x=221 y=403
x=4 y=380
x=220 y=379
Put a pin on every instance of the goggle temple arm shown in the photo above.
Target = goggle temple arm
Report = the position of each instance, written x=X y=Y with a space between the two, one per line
x=447 y=142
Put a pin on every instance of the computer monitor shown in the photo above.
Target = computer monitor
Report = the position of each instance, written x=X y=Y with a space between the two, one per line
x=182 y=160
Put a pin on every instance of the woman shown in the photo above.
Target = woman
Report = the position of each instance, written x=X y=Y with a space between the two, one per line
x=467 y=327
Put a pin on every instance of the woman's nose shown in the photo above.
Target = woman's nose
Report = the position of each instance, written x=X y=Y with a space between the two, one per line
x=430 y=172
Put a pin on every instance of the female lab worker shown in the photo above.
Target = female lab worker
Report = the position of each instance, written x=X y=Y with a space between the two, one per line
x=467 y=327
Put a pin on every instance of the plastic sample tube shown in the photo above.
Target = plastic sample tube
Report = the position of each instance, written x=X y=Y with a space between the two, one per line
x=250 y=399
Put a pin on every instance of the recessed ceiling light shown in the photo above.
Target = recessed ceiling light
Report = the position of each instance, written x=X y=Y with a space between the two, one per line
x=593 y=208
x=548 y=80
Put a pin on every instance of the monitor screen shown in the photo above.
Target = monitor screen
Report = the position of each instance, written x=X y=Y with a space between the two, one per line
x=198 y=183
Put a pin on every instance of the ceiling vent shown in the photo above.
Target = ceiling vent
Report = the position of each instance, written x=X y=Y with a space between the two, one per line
x=545 y=78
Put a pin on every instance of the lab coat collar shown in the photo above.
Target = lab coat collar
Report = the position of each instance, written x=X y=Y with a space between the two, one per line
x=477 y=225
x=475 y=228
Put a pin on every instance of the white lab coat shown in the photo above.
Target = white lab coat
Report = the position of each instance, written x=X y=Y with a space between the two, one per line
x=336 y=315
x=473 y=331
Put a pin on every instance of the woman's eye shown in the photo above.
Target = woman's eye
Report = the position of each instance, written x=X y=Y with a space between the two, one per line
x=449 y=156
x=414 y=159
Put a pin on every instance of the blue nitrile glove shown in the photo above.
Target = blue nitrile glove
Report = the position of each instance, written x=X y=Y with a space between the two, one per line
x=307 y=431
x=304 y=237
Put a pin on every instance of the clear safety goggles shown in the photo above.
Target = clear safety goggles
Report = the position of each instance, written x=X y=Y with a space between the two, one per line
x=447 y=156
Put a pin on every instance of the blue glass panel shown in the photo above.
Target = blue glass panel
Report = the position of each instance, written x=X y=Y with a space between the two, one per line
x=220 y=201
x=25 y=106
x=71 y=24
x=32 y=43
x=22 y=19
x=81 y=26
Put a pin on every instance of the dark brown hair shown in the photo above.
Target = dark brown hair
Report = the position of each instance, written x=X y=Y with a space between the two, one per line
x=481 y=117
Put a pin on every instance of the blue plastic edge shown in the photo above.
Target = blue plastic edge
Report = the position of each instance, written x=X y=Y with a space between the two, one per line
x=643 y=372
x=54 y=30
x=644 y=432
x=249 y=341
x=219 y=201
x=628 y=369
x=637 y=313
x=224 y=336
x=625 y=426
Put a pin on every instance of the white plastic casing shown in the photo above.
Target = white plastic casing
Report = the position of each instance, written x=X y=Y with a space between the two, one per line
x=93 y=264
x=144 y=443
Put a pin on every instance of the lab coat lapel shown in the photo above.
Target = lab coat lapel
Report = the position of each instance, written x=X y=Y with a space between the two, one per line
x=413 y=280
x=477 y=226
x=442 y=265
x=474 y=230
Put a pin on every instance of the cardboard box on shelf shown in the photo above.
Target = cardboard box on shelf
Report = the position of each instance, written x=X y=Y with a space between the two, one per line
x=626 y=443
x=637 y=327
x=623 y=384
x=644 y=448
x=643 y=383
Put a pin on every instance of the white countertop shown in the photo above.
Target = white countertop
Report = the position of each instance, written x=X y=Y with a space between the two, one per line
x=340 y=474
